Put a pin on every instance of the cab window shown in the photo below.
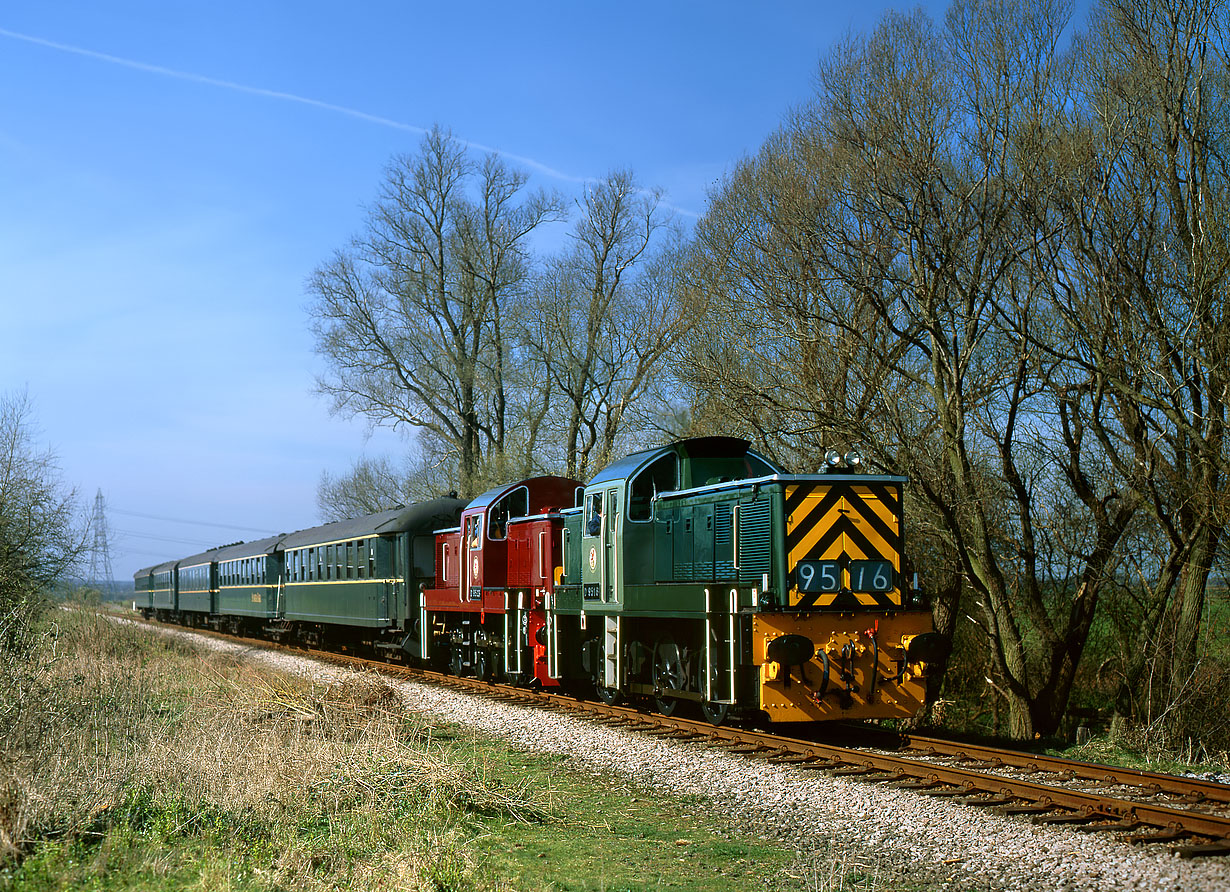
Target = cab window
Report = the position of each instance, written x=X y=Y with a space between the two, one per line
x=593 y=514
x=660 y=476
x=514 y=504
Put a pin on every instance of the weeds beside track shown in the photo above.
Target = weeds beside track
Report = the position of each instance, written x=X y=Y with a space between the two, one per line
x=136 y=761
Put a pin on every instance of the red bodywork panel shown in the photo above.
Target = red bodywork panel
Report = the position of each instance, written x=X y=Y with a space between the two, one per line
x=534 y=553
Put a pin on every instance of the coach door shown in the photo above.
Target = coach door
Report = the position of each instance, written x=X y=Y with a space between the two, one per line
x=610 y=547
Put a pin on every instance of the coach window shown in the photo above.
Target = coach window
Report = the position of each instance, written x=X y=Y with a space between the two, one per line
x=371 y=558
x=660 y=476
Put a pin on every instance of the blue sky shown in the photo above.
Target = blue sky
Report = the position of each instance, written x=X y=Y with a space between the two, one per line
x=172 y=172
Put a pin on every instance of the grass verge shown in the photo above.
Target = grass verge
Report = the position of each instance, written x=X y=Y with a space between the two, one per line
x=135 y=761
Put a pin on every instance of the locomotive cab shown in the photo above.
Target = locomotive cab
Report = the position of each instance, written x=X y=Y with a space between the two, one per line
x=477 y=614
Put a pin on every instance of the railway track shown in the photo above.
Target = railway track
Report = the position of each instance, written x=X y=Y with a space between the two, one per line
x=1190 y=816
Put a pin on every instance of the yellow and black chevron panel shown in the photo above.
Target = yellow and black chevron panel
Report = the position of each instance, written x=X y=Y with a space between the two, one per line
x=843 y=542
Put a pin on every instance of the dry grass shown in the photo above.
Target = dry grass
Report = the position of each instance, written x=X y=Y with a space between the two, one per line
x=110 y=733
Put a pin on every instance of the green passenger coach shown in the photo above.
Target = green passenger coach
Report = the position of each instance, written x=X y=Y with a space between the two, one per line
x=365 y=572
x=251 y=578
x=141 y=590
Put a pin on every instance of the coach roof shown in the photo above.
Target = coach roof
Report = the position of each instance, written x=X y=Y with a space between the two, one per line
x=255 y=548
x=425 y=517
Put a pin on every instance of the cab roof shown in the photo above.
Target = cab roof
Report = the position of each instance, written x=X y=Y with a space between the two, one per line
x=494 y=495
x=694 y=447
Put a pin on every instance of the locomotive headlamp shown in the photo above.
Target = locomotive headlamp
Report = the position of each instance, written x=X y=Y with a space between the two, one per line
x=832 y=458
x=853 y=459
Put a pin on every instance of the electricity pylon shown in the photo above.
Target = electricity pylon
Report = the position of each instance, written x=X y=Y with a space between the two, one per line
x=100 y=553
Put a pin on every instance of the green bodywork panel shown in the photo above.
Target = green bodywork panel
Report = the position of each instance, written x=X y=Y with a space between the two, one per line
x=353 y=602
x=248 y=600
x=198 y=585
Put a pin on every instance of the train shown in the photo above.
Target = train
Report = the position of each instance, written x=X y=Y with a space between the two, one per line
x=697 y=575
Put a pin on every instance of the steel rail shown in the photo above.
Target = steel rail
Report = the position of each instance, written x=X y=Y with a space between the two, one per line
x=1191 y=788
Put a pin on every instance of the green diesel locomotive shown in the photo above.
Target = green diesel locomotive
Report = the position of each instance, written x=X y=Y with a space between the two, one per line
x=701 y=572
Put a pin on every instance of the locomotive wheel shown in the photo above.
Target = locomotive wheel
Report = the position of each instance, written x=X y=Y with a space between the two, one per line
x=715 y=713
x=482 y=665
x=455 y=666
x=667 y=673
x=609 y=696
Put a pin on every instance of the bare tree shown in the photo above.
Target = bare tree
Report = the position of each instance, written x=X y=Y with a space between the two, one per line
x=1143 y=291
x=377 y=484
x=41 y=533
x=604 y=317
x=411 y=317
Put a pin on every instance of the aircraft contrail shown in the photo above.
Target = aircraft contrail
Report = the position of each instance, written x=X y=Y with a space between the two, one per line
x=287 y=97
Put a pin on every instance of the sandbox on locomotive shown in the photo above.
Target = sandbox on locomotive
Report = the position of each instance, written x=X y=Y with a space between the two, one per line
x=693 y=573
